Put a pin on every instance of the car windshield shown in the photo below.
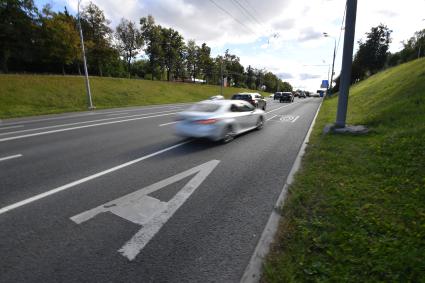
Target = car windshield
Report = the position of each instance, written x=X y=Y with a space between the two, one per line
x=241 y=96
x=205 y=107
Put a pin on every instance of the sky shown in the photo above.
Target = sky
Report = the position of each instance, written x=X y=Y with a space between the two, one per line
x=285 y=37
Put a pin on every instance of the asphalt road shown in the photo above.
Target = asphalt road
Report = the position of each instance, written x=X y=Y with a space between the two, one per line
x=66 y=214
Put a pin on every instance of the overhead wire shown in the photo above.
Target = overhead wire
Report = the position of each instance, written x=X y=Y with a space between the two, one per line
x=233 y=17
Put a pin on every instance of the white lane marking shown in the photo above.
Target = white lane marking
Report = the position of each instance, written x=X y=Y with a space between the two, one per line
x=81 y=127
x=115 y=114
x=296 y=118
x=271 y=117
x=147 y=211
x=11 y=127
x=80 y=123
x=293 y=103
x=168 y=123
x=86 y=179
x=98 y=112
x=10 y=157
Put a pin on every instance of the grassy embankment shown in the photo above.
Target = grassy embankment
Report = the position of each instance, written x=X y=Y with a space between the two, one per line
x=356 y=211
x=27 y=95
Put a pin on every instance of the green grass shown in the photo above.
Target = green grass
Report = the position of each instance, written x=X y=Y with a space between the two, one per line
x=27 y=95
x=356 y=211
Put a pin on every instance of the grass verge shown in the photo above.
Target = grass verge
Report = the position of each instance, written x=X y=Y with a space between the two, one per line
x=28 y=95
x=356 y=211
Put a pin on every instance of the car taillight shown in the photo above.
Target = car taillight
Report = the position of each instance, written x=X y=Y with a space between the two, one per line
x=207 y=121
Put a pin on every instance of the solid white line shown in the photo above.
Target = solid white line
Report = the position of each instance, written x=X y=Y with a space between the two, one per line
x=283 y=107
x=79 y=123
x=12 y=127
x=271 y=117
x=253 y=270
x=168 y=123
x=86 y=179
x=84 y=114
x=115 y=114
x=82 y=127
x=296 y=118
x=10 y=157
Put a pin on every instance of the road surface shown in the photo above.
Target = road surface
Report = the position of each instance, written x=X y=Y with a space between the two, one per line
x=115 y=196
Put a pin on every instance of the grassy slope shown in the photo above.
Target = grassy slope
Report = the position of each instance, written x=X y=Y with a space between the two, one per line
x=24 y=95
x=356 y=212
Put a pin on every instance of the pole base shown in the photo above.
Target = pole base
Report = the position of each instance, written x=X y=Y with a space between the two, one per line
x=348 y=129
x=92 y=107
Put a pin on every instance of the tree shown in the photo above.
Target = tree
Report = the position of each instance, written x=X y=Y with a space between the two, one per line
x=130 y=41
x=191 y=59
x=152 y=34
x=372 y=54
x=173 y=48
x=250 y=78
x=61 y=42
x=205 y=62
x=285 y=86
x=233 y=68
x=17 y=28
x=97 y=36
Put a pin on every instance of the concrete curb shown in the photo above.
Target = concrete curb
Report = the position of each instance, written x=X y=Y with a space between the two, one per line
x=253 y=270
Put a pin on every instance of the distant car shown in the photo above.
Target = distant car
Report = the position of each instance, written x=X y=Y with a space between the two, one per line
x=219 y=120
x=254 y=98
x=286 y=97
x=277 y=95
x=302 y=95
x=216 y=97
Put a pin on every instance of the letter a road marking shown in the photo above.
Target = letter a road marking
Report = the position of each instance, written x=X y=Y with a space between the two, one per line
x=147 y=211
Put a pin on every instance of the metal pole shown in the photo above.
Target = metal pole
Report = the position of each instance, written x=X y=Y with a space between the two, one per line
x=89 y=100
x=332 y=73
x=221 y=77
x=347 y=60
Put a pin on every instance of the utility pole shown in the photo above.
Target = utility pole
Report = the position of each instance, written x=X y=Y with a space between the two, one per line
x=89 y=100
x=221 y=77
x=347 y=60
x=333 y=62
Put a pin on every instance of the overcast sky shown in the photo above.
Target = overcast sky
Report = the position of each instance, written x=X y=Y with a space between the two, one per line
x=285 y=37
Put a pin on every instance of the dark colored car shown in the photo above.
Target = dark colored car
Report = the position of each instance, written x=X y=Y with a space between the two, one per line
x=302 y=95
x=286 y=97
x=277 y=95
x=254 y=98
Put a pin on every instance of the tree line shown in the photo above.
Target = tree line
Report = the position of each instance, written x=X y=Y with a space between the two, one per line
x=46 y=41
x=373 y=54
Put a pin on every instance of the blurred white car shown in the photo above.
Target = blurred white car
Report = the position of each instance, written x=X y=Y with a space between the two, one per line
x=216 y=97
x=219 y=120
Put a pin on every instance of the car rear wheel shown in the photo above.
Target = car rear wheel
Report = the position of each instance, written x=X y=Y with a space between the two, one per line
x=229 y=135
x=260 y=123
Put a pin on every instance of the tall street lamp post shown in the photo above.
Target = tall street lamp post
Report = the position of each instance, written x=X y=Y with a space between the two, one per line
x=325 y=34
x=89 y=100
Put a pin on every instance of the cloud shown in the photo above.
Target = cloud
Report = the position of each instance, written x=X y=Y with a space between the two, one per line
x=304 y=76
x=284 y=24
x=387 y=13
x=309 y=34
x=285 y=76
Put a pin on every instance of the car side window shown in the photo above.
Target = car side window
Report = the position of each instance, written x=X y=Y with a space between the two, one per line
x=234 y=108
x=246 y=107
